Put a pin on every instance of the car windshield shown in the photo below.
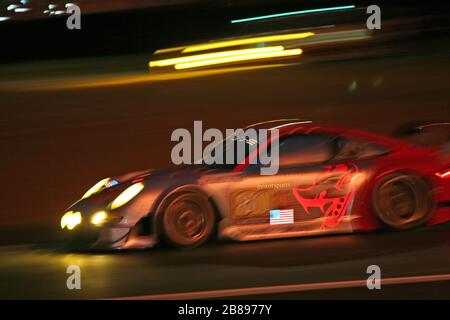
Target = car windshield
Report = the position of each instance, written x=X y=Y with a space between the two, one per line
x=230 y=152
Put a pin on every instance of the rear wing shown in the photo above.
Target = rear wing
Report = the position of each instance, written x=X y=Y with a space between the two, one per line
x=429 y=133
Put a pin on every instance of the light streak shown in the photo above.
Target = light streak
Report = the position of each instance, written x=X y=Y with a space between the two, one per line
x=246 y=41
x=292 y=13
x=246 y=57
x=209 y=56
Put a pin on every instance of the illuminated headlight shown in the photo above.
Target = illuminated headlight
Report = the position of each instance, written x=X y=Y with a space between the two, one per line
x=70 y=220
x=99 y=217
x=128 y=194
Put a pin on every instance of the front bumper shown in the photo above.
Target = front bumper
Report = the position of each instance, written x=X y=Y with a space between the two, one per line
x=96 y=237
x=107 y=237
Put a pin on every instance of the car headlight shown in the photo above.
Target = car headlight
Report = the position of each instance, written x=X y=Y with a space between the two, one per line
x=99 y=217
x=128 y=194
x=70 y=220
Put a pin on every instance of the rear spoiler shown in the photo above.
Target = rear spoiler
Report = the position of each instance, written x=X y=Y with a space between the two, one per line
x=426 y=133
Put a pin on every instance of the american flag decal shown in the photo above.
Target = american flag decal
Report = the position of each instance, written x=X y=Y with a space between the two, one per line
x=281 y=216
x=110 y=183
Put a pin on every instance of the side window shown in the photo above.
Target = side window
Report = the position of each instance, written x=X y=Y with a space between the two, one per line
x=357 y=149
x=305 y=149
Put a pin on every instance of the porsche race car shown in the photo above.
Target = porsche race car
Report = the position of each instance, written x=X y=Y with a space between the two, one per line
x=330 y=180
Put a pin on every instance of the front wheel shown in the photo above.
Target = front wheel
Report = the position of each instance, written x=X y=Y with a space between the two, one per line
x=188 y=219
x=402 y=201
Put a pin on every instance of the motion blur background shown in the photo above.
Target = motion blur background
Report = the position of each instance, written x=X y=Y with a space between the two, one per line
x=80 y=105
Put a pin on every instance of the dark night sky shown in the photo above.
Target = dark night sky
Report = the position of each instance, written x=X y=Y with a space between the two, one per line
x=109 y=29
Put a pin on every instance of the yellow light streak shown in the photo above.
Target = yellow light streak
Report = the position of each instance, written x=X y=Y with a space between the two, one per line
x=247 y=57
x=161 y=51
x=215 y=55
x=240 y=42
x=71 y=83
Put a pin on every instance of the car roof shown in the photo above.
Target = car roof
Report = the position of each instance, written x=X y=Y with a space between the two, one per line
x=289 y=127
x=271 y=124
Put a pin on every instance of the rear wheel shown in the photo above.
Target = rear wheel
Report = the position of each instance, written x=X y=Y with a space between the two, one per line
x=188 y=219
x=402 y=201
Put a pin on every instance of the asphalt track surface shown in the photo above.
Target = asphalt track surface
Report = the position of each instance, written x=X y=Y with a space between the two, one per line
x=60 y=138
x=318 y=267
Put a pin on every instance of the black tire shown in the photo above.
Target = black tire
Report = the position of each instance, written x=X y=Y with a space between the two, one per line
x=402 y=201
x=188 y=219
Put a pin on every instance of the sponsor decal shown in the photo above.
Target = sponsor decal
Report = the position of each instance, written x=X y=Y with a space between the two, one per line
x=274 y=186
x=332 y=201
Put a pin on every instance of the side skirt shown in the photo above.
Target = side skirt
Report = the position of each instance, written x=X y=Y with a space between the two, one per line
x=297 y=229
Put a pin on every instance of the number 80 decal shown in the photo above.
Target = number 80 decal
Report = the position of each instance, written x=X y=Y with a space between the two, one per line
x=250 y=203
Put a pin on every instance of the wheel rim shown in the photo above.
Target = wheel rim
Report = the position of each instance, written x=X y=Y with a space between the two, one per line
x=188 y=219
x=401 y=201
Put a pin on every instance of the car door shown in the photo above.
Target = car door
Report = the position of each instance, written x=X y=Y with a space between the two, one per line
x=307 y=195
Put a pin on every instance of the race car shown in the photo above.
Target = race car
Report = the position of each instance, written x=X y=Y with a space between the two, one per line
x=330 y=180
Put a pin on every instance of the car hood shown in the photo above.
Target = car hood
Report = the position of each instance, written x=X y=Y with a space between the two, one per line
x=184 y=171
x=169 y=173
